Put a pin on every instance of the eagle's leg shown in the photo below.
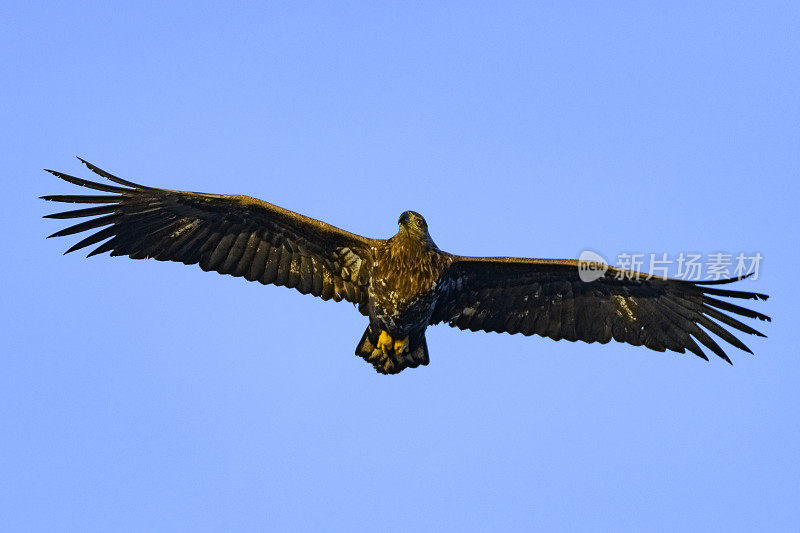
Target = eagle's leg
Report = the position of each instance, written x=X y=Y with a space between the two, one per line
x=385 y=343
x=401 y=346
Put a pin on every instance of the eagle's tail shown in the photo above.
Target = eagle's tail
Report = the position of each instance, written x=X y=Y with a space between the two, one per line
x=394 y=356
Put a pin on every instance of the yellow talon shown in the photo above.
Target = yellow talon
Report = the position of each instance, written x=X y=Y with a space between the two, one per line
x=385 y=342
x=401 y=346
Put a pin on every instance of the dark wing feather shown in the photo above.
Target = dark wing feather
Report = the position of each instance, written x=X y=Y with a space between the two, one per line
x=236 y=235
x=547 y=297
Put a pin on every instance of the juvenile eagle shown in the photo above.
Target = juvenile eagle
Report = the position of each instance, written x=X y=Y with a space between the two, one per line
x=405 y=283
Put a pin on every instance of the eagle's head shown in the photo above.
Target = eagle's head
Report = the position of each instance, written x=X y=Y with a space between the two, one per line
x=413 y=222
x=413 y=226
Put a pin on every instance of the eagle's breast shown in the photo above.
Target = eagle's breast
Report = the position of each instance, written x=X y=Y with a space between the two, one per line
x=405 y=282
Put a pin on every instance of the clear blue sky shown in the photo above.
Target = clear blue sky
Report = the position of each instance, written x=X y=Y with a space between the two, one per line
x=137 y=395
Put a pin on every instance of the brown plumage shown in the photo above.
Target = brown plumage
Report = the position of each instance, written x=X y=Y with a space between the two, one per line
x=405 y=283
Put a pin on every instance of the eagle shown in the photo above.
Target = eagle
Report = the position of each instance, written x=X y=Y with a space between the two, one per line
x=405 y=283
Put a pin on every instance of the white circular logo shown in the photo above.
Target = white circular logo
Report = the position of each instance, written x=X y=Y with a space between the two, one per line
x=591 y=266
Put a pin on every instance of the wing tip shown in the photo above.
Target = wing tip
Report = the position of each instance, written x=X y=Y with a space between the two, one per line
x=754 y=295
x=86 y=163
x=722 y=281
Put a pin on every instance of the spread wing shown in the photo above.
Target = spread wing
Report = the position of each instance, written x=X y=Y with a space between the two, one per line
x=236 y=235
x=548 y=298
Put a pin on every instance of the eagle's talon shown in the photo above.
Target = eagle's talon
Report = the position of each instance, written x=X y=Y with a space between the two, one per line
x=401 y=346
x=385 y=343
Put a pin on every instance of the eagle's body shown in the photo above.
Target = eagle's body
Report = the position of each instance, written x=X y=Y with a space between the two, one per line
x=403 y=287
x=405 y=283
